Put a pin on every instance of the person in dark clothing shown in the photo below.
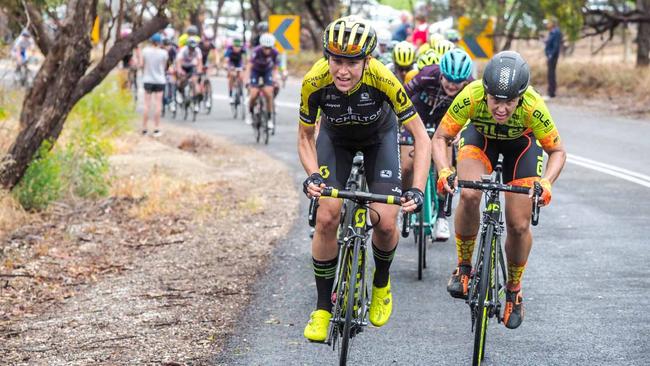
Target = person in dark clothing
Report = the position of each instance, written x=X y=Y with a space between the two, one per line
x=552 y=51
x=403 y=31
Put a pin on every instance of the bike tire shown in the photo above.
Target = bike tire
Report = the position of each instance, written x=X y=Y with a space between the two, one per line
x=207 y=97
x=420 y=239
x=351 y=300
x=482 y=316
x=405 y=225
x=234 y=107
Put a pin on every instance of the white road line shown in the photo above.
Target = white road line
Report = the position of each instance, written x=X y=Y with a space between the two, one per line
x=628 y=175
x=614 y=171
x=278 y=103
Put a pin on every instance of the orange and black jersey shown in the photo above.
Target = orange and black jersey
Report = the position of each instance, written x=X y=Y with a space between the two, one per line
x=361 y=114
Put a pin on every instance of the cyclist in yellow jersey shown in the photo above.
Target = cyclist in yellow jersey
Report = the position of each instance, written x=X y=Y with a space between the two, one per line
x=191 y=31
x=499 y=114
x=362 y=105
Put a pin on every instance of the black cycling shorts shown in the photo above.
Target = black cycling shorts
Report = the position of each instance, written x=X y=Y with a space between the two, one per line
x=522 y=157
x=381 y=162
x=153 y=88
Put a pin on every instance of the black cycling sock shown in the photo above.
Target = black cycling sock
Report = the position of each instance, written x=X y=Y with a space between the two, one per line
x=382 y=265
x=324 y=271
x=441 y=208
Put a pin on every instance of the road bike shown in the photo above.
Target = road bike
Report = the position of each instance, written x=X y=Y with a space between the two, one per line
x=261 y=119
x=24 y=76
x=350 y=292
x=169 y=100
x=422 y=224
x=186 y=97
x=487 y=286
x=206 y=100
x=238 y=107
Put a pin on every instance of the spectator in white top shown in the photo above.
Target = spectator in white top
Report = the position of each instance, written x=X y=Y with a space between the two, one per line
x=154 y=63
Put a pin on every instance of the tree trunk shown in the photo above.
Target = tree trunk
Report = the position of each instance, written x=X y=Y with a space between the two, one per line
x=217 y=17
x=513 y=20
x=315 y=39
x=62 y=81
x=643 y=37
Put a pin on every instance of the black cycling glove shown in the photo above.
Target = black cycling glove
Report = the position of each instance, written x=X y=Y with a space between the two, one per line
x=416 y=195
x=315 y=179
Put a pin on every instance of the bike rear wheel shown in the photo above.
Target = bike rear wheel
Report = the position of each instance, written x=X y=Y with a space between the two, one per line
x=483 y=293
x=207 y=96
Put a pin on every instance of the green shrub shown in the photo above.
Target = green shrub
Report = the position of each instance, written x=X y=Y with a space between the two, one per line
x=85 y=168
x=78 y=165
x=41 y=184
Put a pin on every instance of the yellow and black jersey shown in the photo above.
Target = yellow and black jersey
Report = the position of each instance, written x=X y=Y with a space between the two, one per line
x=360 y=114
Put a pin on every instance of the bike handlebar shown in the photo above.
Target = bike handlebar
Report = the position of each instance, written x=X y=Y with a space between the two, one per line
x=489 y=186
x=360 y=196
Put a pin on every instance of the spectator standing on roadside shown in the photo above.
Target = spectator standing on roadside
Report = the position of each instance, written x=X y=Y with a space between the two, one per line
x=552 y=51
x=403 y=30
x=154 y=63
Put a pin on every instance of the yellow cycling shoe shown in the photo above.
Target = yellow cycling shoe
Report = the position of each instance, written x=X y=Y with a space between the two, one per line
x=316 y=329
x=381 y=305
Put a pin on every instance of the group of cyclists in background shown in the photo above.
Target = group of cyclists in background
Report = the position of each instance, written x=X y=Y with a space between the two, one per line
x=191 y=56
x=369 y=92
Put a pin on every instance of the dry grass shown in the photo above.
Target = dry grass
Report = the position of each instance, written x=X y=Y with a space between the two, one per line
x=12 y=214
x=299 y=64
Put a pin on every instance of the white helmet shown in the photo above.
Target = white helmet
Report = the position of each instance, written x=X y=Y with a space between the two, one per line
x=267 y=40
x=384 y=37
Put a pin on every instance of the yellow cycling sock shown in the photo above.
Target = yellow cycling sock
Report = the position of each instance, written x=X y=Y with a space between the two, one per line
x=515 y=272
x=465 y=248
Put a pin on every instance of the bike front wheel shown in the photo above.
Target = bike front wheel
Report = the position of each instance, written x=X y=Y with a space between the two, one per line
x=421 y=242
x=349 y=306
x=483 y=294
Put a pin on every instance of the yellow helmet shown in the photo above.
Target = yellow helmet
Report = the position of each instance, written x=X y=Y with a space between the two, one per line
x=443 y=46
x=349 y=37
x=430 y=57
x=404 y=54
x=434 y=38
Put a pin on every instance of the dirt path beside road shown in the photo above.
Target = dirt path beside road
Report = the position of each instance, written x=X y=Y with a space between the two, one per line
x=115 y=283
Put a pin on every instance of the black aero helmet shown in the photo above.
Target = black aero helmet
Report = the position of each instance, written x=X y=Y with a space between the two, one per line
x=506 y=75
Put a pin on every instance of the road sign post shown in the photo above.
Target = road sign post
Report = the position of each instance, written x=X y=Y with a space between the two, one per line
x=479 y=44
x=286 y=29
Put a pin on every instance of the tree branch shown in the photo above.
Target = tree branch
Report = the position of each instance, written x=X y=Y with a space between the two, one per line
x=120 y=49
x=314 y=14
x=37 y=27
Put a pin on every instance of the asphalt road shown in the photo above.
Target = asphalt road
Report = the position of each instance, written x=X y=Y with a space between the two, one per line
x=586 y=286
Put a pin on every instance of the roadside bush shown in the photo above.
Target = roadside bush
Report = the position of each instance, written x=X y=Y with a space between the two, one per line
x=42 y=183
x=78 y=164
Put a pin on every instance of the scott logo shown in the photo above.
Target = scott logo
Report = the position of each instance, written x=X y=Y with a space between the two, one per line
x=401 y=97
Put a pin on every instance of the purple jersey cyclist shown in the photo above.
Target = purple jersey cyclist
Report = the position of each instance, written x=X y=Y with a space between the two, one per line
x=432 y=92
x=263 y=63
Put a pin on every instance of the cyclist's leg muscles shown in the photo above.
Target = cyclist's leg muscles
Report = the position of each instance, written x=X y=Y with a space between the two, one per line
x=384 y=177
x=522 y=166
x=406 y=160
x=254 y=90
x=268 y=90
x=231 y=79
x=474 y=159
x=333 y=162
